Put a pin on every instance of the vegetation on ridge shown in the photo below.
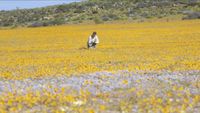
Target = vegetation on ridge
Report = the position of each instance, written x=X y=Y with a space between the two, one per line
x=99 y=11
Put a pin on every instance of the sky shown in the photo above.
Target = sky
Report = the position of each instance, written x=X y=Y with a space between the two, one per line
x=21 y=4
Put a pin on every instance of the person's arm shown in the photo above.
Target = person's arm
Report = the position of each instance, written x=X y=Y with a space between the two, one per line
x=89 y=40
x=96 y=40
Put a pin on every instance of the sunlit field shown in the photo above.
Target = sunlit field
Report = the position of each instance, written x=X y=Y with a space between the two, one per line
x=156 y=65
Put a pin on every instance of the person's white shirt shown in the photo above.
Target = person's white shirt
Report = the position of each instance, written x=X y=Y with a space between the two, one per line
x=93 y=40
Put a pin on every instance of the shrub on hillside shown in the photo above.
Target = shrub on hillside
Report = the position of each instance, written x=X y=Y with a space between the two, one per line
x=36 y=24
x=192 y=15
x=97 y=20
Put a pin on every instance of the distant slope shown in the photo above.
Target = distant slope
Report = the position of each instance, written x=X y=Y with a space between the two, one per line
x=99 y=11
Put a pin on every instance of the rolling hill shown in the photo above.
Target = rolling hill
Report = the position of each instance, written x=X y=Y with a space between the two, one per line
x=100 y=11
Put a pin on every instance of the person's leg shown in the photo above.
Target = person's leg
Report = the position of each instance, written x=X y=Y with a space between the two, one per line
x=88 y=45
x=94 y=45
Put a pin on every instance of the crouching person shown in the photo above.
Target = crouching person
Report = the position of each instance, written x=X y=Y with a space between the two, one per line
x=93 y=40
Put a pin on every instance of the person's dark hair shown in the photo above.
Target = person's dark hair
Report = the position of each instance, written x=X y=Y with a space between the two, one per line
x=94 y=33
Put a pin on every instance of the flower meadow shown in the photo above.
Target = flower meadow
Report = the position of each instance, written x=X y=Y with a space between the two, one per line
x=149 y=67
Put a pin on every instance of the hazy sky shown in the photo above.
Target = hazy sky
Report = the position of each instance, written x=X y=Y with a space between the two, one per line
x=13 y=4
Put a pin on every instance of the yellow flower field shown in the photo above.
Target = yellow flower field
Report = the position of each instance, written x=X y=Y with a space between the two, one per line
x=52 y=51
x=147 y=54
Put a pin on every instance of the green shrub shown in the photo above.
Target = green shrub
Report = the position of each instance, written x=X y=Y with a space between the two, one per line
x=97 y=20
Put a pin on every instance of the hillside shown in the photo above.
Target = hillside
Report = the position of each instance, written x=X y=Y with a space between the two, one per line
x=100 y=11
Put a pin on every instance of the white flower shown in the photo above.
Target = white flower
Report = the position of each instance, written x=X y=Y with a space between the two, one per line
x=78 y=103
